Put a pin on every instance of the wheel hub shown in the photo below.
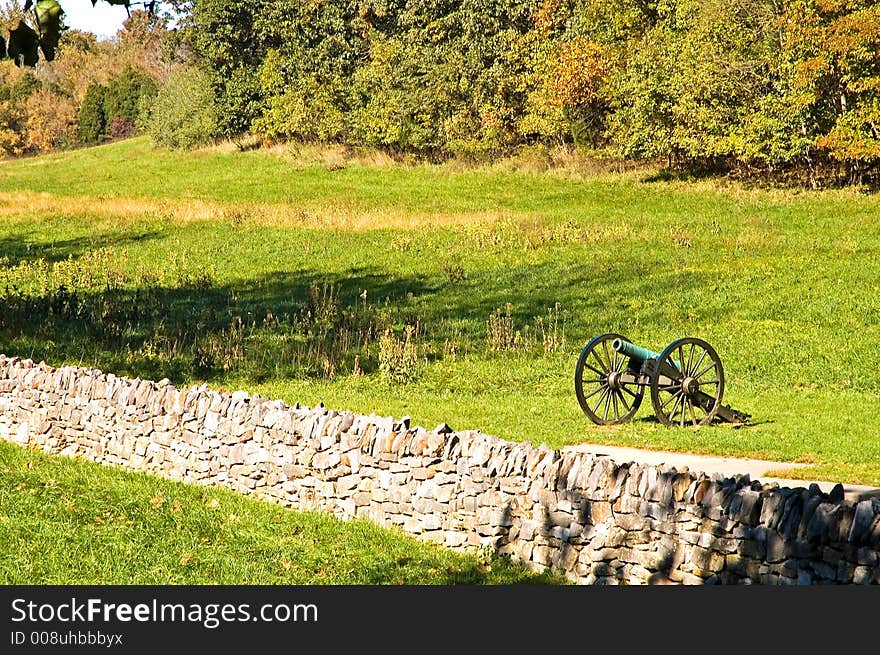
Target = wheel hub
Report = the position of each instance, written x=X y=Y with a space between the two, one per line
x=690 y=386
x=614 y=380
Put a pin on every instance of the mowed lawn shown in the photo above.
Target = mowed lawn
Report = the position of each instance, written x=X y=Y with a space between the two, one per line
x=281 y=274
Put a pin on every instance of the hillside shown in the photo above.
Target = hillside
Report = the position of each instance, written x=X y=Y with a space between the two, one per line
x=449 y=293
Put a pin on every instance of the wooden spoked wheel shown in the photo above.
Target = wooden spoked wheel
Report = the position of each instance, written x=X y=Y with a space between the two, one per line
x=605 y=390
x=687 y=384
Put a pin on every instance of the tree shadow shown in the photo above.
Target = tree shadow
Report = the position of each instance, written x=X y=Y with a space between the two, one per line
x=824 y=175
x=197 y=328
x=297 y=324
x=16 y=249
x=495 y=569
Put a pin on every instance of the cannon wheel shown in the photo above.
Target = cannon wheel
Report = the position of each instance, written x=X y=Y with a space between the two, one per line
x=605 y=399
x=693 y=396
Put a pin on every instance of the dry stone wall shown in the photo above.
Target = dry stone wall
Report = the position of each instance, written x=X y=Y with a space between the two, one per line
x=597 y=521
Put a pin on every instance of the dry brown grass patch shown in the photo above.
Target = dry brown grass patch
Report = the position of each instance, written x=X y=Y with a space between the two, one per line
x=319 y=215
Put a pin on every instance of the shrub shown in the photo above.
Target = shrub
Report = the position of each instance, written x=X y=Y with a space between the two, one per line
x=184 y=113
x=121 y=128
x=241 y=101
x=10 y=129
x=567 y=102
x=398 y=358
x=125 y=95
x=501 y=335
x=24 y=87
x=306 y=112
x=50 y=120
x=91 y=120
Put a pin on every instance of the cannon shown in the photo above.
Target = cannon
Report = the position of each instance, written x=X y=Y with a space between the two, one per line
x=686 y=381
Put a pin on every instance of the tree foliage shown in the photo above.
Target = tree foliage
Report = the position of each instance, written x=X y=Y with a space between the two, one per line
x=777 y=84
x=90 y=91
x=184 y=113
x=39 y=27
x=126 y=95
x=769 y=83
x=92 y=120
x=50 y=120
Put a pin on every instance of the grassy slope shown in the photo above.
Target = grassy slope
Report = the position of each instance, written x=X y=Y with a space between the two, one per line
x=64 y=521
x=783 y=284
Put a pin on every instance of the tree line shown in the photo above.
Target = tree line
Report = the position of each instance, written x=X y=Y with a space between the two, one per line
x=789 y=87
x=769 y=84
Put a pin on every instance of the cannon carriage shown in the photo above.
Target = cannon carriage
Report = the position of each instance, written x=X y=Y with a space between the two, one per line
x=686 y=382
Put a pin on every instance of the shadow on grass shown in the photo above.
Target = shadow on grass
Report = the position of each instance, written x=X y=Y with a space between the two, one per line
x=301 y=323
x=825 y=175
x=18 y=249
x=496 y=569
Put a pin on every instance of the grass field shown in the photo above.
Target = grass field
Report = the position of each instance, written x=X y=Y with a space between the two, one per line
x=70 y=522
x=449 y=293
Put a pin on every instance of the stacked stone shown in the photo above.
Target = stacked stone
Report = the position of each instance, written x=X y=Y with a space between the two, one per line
x=594 y=520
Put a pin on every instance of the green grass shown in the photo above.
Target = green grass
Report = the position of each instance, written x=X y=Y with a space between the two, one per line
x=64 y=521
x=782 y=283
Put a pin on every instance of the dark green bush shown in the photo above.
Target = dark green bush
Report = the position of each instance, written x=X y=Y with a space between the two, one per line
x=126 y=94
x=91 y=120
x=24 y=87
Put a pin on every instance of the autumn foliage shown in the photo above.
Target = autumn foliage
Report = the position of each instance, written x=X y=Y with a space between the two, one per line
x=92 y=90
x=50 y=121
x=578 y=72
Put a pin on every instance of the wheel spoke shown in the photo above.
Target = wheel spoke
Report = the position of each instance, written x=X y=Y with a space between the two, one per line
x=595 y=391
x=688 y=368
x=601 y=397
x=607 y=403
x=623 y=400
x=602 y=364
x=704 y=371
x=674 y=408
x=616 y=409
x=607 y=355
x=693 y=413
x=629 y=391
x=700 y=360
x=594 y=369
x=668 y=400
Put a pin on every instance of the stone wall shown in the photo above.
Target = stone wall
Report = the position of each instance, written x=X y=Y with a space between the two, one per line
x=597 y=521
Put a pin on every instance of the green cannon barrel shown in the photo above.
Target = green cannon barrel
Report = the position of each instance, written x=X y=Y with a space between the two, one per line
x=634 y=351
x=637 y=352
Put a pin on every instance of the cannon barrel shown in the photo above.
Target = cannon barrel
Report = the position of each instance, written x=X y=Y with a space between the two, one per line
x=632 y=350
